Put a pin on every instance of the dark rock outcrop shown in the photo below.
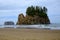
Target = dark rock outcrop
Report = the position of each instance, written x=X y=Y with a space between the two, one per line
x=32 y=20
x=9 y=23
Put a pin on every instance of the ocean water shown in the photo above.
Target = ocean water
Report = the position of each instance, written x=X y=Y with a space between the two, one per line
x=37 y=26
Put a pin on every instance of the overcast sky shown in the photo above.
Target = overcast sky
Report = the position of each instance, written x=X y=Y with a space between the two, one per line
x=10 y=9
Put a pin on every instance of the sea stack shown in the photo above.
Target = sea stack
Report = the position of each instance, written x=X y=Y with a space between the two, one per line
x=34 y=15
x=9 y=23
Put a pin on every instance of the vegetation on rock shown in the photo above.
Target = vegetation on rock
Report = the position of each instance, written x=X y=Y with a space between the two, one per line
x=38 y=11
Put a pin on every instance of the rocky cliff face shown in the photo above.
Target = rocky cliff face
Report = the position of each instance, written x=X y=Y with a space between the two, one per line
x=32 y=20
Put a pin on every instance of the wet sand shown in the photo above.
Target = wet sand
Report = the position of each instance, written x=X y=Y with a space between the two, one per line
x=28 y=34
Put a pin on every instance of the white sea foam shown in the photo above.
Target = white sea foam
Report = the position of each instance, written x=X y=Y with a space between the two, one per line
x=52 y=27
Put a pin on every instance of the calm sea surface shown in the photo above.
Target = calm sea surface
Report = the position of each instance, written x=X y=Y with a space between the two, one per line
x=39 y=26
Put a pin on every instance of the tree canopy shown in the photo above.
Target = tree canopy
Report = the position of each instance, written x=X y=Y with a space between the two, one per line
x=37 y=10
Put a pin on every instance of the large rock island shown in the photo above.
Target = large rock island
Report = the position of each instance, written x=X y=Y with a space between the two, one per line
x=34 y=15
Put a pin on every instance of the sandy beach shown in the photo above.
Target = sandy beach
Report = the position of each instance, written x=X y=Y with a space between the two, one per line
x=28 y=34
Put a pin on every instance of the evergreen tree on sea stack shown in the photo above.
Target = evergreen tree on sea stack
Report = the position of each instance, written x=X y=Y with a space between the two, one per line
x=38 y=11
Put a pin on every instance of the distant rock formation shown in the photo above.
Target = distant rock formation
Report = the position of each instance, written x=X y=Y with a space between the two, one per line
x=9 y=23
x=32 y=20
